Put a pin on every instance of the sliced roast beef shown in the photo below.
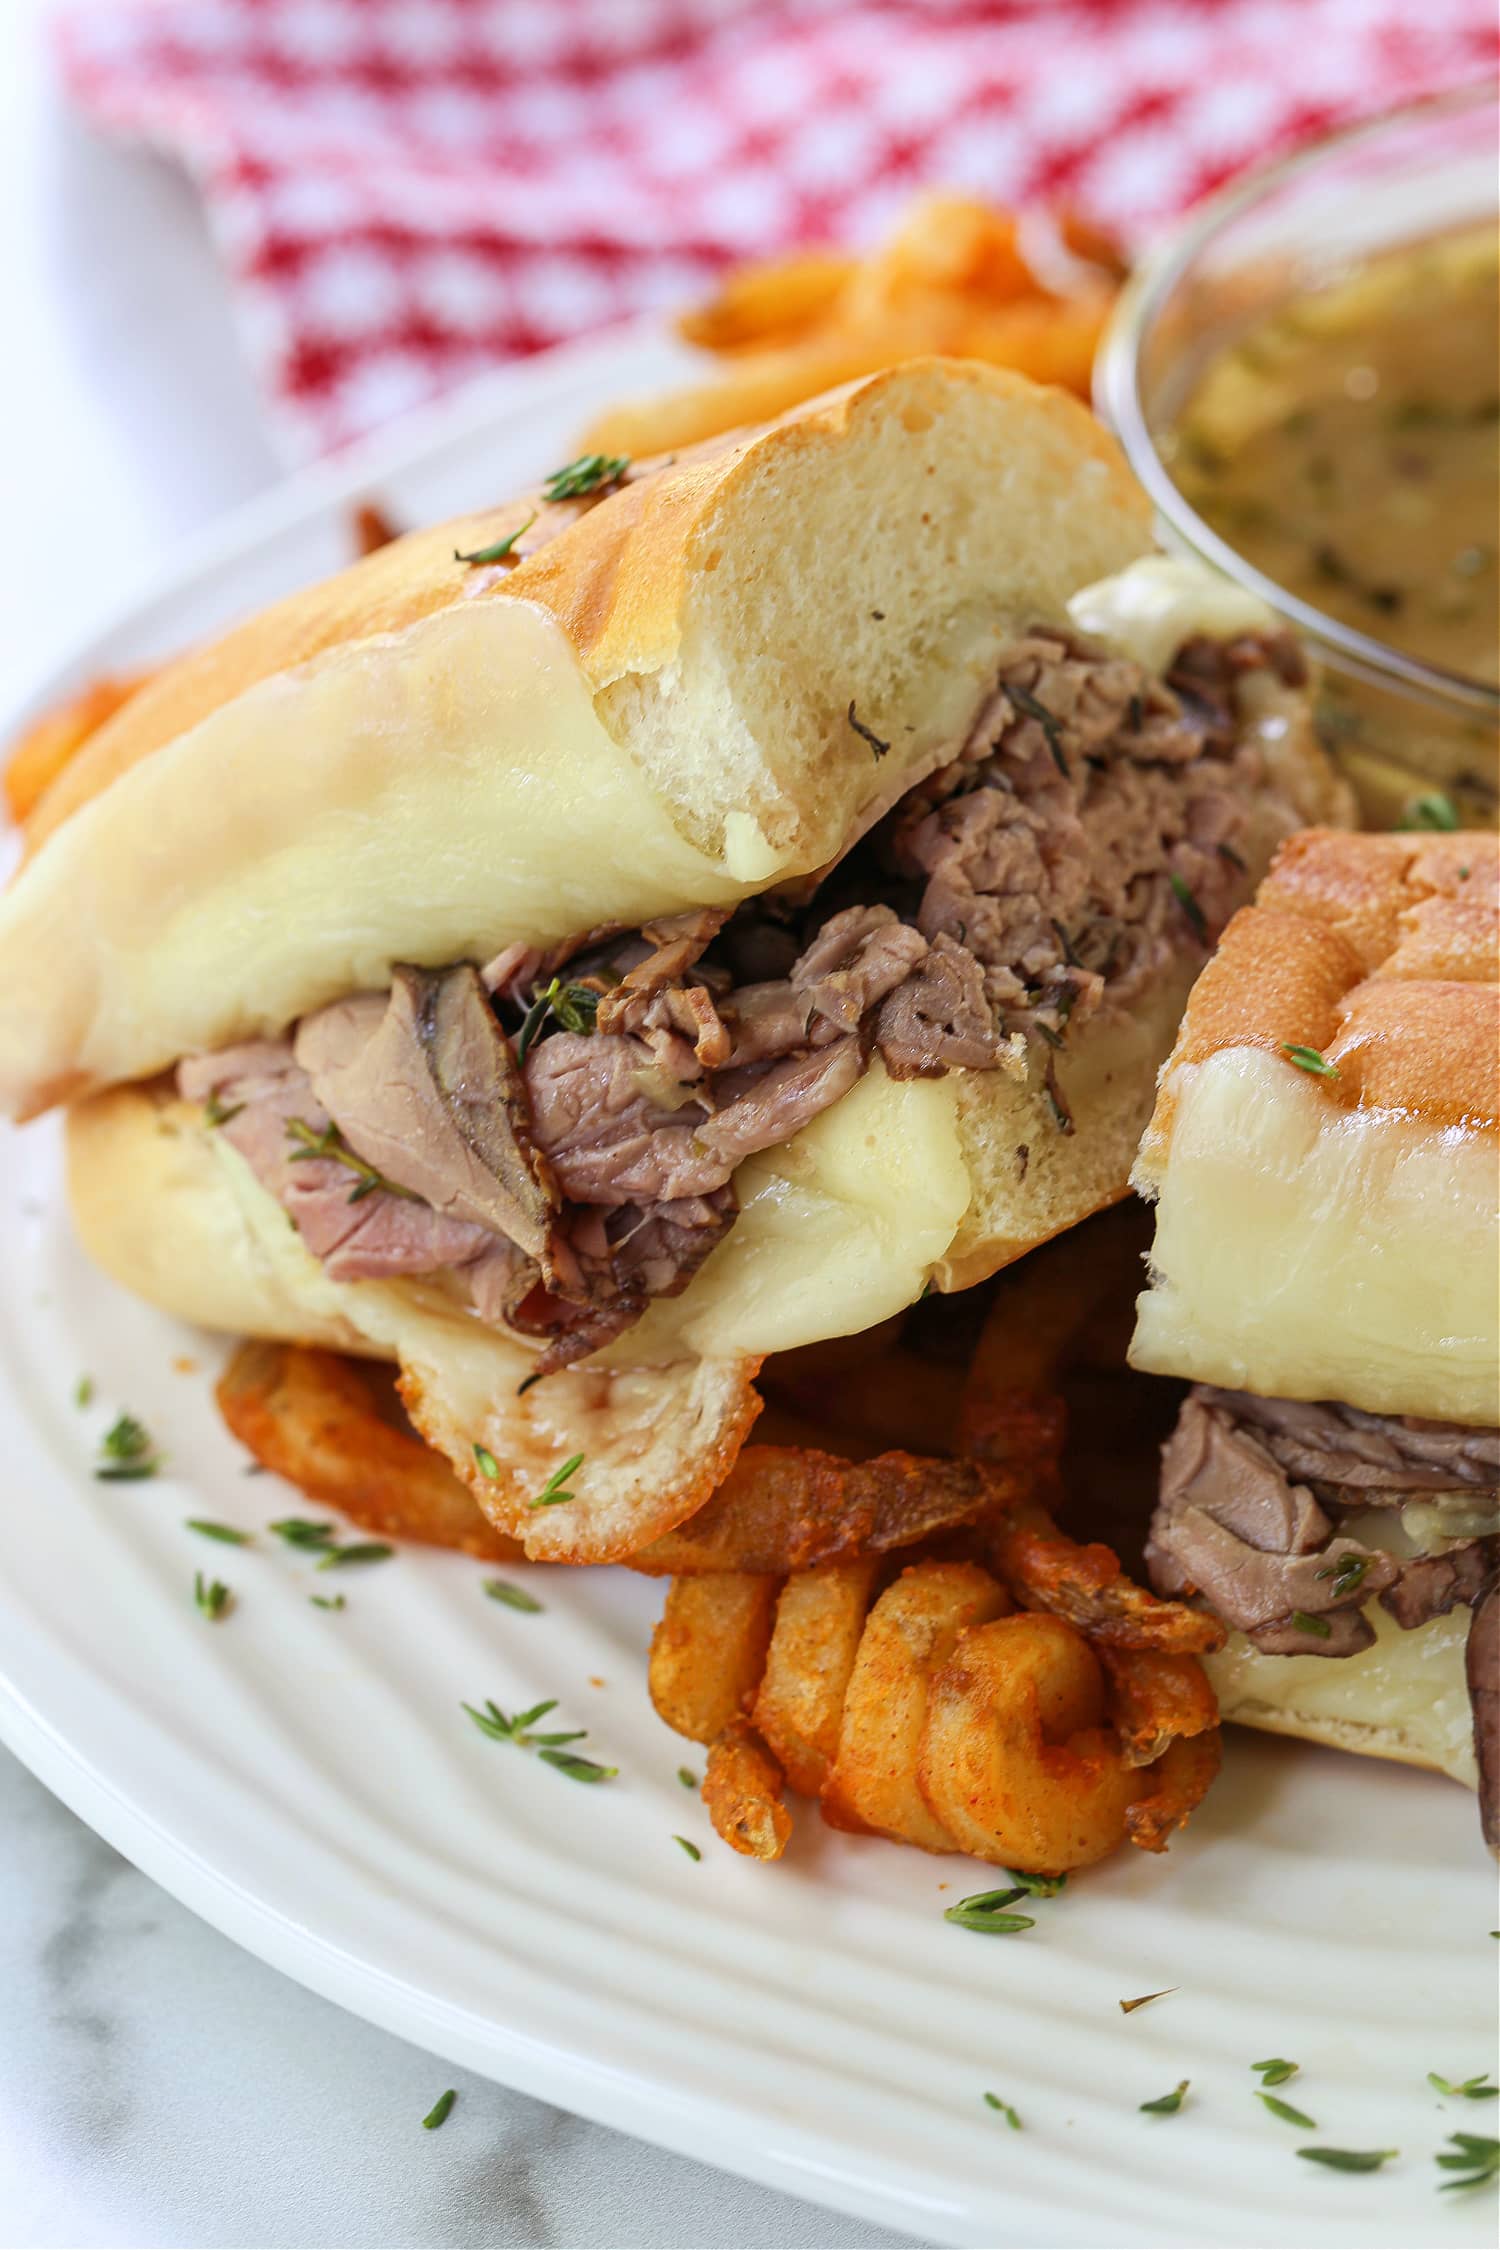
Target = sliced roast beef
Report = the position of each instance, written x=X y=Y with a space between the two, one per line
x=355 y=1225
x=1377 y=1456
x=939 y=1020
x=603 y=1119
x=1430 y=1585
x=1271 y=1555
x=561 y=1126
x=425 y=1088
x=766 y=1107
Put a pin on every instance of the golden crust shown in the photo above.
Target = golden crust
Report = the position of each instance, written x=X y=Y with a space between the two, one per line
x=612 y=572
x=1379 y=952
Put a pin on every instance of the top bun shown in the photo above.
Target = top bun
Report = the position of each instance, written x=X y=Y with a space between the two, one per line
x=1326 y=1221
x=422 y=760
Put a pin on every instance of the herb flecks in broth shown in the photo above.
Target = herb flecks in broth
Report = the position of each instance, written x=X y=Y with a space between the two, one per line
x=1349 y=447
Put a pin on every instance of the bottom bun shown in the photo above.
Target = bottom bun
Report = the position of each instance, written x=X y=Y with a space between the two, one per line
x=1404 y=1697
x=899 y=1185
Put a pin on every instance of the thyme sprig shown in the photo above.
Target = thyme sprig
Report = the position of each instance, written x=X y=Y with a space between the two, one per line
x=1183 y=893
x=513 y=1597
x=1434 y=811
x=554 y=1492
x=1351 y=2159
x=993 y=2101
x=878 y=745
x=1346 y=1574
x=986 y=1911
x=225 y=1532
x=550 y=1748
x=1167 y=2105
x=502 y=550
x=129 y=1451
x=330 y=1143
x=1284 y=2110
x=1479 y=2088
x=1047 y=720
x=590 y=474
x=575 y=1006
x=439 y=2110
x=1308 y=1058
x=1476 y=2155
x=1276 y=2071
x=212 y=1597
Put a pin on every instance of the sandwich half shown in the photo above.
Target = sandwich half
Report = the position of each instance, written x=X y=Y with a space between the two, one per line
x=679 y=916
x=1326 y=1271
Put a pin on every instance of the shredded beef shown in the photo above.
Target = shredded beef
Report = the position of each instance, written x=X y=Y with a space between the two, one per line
x=560 y=1126
x=1253 y=1496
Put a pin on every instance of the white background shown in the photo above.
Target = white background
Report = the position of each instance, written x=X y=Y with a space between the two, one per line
x=156 y=2085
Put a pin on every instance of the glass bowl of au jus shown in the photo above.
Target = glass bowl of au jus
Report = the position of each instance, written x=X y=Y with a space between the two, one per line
x=1306 y=380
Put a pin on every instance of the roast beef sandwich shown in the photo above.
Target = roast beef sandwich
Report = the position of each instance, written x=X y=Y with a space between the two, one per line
x=681 y=915
x=1326 y=1271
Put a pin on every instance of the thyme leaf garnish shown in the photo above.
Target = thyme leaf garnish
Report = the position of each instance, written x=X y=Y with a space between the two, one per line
x=1476 y=2155
x=83 y=1391
x=878 y=746
x=218 y=1113
x=297 y=1531
x=993 y=2101
x=1351 y=2159
x=520 y=1730
x=1183 y=894
x=1167 y=2105
x=590 y=473
x=1047 y=720
x=985 y=1911
x=129 y=1452
x=439 y=2110
x=362 y=1551
x=1346 y=1574
x=526 y=1382
x=1479 y=2088
x=1319 y=1627
x=488 y=1465
x=328 y=1601
x=1128 y=2007
x=212 y=1597
x=687 y=1777
x=330 y=1143
x=1435 y=810
x=224 y=1531
x=501 y=550
x=688 y=1846
x=1276 y=2071
x=575 y=1006
x=1308 y=1058
x=554 y=1492
x=514 y=1597
x=1040 y=1886
x=1279 y=2108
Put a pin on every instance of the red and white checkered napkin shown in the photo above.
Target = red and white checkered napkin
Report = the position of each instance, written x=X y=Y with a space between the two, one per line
x=407 y=191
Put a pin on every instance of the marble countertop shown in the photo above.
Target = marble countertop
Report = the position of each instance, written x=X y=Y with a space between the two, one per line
x=158 y=2086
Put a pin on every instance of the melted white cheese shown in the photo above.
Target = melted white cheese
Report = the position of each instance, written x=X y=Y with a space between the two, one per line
x=1149 y=610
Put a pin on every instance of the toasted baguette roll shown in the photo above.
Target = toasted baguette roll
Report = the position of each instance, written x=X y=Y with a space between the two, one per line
x=703 y=686
x=1326 y=1231
x=1335 y=1236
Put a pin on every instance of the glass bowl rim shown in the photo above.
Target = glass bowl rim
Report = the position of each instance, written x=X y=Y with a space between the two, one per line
x=1118 y=399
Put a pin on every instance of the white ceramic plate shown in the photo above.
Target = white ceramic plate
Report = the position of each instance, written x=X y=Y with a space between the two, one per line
x=308 y=1782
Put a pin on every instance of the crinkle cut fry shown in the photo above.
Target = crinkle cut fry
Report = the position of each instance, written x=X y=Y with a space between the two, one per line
x=742 y=1788
x=1179 y=1781
x=1156 y=1699
x=783 y=1509
x=312 y=1417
